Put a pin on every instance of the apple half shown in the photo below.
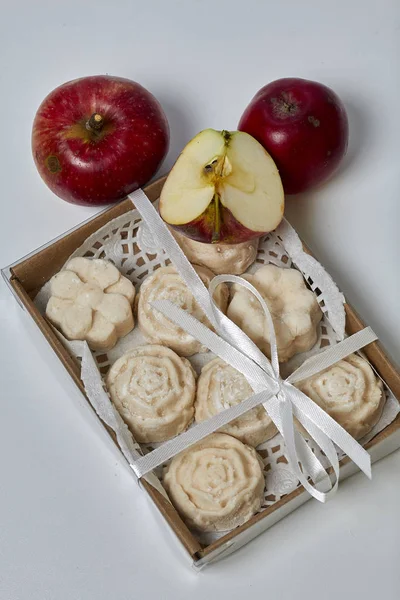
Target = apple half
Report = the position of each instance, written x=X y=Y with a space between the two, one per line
x=224 y=188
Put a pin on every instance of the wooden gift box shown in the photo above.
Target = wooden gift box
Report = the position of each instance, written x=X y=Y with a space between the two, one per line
x=27 y=276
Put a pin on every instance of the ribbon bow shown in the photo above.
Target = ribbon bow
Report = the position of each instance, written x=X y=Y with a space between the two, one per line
x=280 y=398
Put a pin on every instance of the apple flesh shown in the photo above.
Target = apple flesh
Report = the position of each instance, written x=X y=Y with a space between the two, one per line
x=97 y=139
x=303 y=125
x=224 y=188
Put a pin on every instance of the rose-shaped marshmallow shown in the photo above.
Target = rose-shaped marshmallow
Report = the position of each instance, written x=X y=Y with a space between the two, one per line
x=90 y=300
x=153 y=389
x=217 y=484
x=166 y=284
x=350 y=393
x=294 y=309
x=219 y=387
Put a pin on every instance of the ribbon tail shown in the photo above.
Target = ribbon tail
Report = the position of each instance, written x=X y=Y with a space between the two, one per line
x=323 y=442
x=280 y=411
x=312 y=466
x=332 y=429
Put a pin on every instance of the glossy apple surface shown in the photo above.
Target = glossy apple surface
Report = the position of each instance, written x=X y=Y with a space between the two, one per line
x=303 y=125
x=224 y=188
x=97 y=139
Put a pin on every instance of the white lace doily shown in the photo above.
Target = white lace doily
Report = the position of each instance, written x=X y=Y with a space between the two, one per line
x=128 y=243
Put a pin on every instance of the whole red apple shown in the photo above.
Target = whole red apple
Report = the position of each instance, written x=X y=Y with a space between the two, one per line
x=303 y=125
x=97 y=139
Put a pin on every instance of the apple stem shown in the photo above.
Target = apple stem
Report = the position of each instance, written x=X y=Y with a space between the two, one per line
x=95 y=123
x=217 y=221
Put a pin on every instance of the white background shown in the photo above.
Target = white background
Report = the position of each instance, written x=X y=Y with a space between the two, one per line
x=73 y=524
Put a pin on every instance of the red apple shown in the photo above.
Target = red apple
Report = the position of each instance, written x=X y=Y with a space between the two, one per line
x=303 y=125
x=97 y=139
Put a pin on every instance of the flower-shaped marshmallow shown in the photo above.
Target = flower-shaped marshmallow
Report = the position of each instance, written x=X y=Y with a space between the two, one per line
x=90 y=300
x=294 y=309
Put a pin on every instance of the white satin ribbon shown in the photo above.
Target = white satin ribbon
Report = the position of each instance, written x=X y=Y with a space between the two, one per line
x=279 y=397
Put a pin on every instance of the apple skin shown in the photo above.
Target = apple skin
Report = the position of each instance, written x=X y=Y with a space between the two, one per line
x=304 y=127
x=202 y=228
x=98 y=166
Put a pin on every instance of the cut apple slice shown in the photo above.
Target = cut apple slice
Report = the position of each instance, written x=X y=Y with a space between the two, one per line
x=223 y=188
